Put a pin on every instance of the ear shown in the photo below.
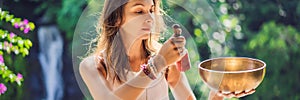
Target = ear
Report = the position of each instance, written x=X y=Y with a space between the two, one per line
x=119 y=22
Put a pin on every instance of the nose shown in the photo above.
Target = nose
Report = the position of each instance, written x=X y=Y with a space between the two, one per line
x=149 y=18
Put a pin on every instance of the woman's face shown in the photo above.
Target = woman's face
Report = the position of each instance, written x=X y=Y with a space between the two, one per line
x=139 y=19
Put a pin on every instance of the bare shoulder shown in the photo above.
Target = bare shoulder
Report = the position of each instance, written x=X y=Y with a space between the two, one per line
x=87 y=63
x=89 y=66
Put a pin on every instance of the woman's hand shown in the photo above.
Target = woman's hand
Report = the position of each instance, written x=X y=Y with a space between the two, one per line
x=170 y=51
x=236 y=95
x=219 y=95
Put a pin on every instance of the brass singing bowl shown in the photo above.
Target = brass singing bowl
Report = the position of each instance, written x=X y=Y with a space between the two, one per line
x=232 y=74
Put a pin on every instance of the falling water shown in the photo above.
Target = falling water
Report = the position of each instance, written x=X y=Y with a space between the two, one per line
x=50 y=56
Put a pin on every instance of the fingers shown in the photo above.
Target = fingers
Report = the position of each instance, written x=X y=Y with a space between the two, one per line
x=240 y=95
x=173 y=49
x=244 y=93
x=236 y=94
x=178 y=42
x=178 y=39
x=226 y=95
x=250 y=92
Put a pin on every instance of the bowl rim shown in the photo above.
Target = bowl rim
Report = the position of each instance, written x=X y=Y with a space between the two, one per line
x=252 y=70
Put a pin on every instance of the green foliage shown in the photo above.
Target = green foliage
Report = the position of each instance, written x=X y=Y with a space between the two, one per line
x=16 y=22
x=271 y=35
x=10 y=42
x=14 y=43
x=260 y=29
x=64 y=13
x=277 y=45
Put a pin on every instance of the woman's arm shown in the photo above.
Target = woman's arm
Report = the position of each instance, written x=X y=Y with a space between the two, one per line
x=98 y=86
x=179 y=85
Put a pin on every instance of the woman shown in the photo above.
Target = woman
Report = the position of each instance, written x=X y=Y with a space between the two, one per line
x=128 y=63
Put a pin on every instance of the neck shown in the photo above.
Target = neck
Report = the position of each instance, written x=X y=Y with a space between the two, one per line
x=135 y=52
x=136 y=56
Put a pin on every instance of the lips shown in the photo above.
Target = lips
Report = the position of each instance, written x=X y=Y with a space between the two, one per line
x=146 y=29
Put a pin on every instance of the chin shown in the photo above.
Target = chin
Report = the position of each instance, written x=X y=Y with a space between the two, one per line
x=144 y=36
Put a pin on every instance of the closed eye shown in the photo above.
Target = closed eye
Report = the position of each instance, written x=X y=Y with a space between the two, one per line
x=142 y=12
x=139 y=12
x=141 y=9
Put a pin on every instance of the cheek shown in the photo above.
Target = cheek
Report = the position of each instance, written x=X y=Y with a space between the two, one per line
x=130 y=28
x=135 y=19
x=133 y=25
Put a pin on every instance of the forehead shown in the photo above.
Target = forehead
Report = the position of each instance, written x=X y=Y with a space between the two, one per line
x=144 y=2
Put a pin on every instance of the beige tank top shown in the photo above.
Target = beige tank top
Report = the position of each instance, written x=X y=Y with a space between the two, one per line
x=157 y=90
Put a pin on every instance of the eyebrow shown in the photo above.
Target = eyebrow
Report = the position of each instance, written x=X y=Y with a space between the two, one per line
x=140 y=4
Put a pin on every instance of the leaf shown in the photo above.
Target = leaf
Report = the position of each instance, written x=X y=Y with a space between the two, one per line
x=31 y=25
x=3 y=14
x=20 y=43
x=28 y=44
x=9 y=17
x=26 y=52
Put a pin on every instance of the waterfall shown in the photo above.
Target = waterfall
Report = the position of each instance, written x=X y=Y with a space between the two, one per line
x=50 y=57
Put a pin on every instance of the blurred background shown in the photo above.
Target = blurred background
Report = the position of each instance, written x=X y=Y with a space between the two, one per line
x=264 y=29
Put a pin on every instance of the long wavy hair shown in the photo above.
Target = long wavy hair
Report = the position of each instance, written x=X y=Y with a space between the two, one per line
x=116 y=61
